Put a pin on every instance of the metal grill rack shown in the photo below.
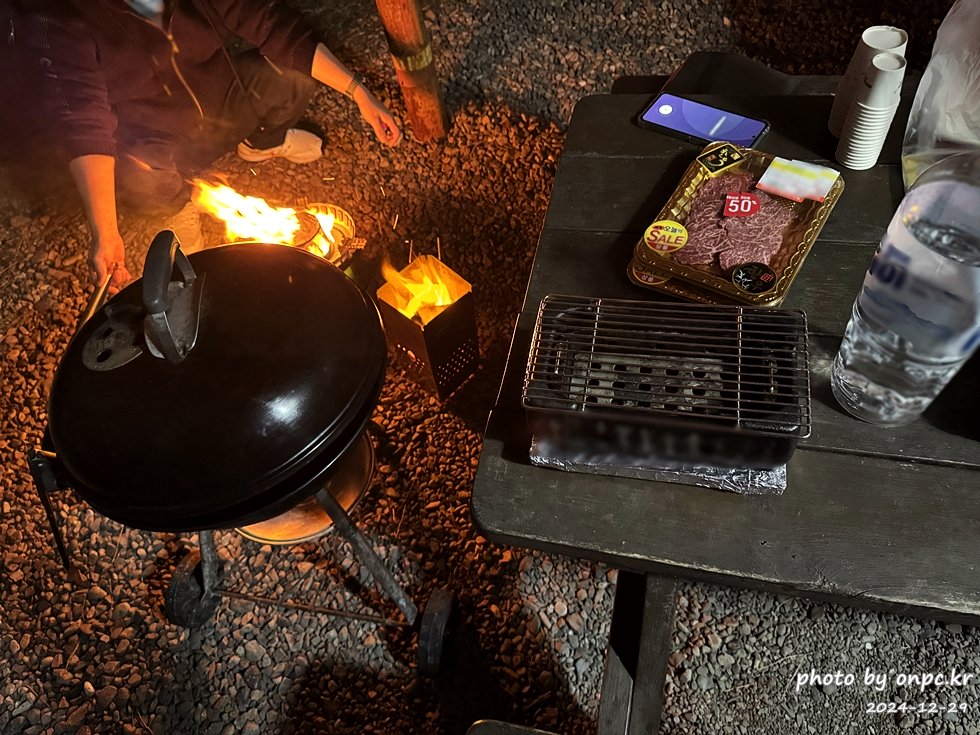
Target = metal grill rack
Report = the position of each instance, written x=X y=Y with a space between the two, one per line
x=604 y=364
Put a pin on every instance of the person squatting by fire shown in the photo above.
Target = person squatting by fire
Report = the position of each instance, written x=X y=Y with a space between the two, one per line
x=137 y=95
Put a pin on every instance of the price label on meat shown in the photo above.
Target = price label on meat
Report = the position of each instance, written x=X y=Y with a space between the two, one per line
x=665 y=236
x=741 y=204
x=754 y=277
x=717 y=158
x=648 y=278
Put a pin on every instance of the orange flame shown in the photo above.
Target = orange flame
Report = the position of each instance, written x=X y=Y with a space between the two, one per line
x=254 y=219
x=324 y=238
x=423 y=289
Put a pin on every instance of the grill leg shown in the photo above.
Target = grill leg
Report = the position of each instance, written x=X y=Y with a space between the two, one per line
x=46 y=483
x=209 y=562
x=192 y=596
x=347 y=529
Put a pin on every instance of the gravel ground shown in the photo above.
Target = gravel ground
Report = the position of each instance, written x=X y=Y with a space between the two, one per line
x=89 y=651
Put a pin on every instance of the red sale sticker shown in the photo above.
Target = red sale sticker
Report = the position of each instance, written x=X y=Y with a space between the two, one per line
x=741 y=204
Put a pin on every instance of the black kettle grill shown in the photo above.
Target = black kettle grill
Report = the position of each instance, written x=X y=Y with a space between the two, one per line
x=219 y=391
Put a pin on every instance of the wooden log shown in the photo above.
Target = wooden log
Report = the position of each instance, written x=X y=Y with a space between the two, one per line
x=411 y=54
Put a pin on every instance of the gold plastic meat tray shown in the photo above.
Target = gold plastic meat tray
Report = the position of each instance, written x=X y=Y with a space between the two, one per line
x=798 y=237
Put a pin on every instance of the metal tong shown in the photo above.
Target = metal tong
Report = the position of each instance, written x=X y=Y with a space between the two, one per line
x=43 y=463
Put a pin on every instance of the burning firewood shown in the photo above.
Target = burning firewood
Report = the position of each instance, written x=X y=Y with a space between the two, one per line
x=323 y=229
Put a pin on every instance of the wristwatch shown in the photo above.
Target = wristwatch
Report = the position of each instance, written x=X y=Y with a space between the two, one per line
x=356 y=81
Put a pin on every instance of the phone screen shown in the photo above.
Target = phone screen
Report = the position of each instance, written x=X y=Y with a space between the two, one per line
x=702 y=121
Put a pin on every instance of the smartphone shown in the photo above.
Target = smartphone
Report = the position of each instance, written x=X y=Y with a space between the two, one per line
x=700 y=123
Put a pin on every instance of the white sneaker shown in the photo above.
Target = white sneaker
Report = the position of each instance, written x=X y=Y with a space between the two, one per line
x=299 y=146
x=186 y=225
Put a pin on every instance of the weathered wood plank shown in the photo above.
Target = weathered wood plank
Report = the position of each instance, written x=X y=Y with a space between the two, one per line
x=636 y=657
x=594 y=264
x=947 y=433
x=705 y=72
x=827 y=84
x=605 y=125
x=596 y=193
x=617 y=694
x=827 y=283
x=659 y=609
x=852 y=529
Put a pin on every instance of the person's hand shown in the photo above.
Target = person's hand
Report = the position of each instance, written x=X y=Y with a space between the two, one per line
x=108 y=250
x=377 y=116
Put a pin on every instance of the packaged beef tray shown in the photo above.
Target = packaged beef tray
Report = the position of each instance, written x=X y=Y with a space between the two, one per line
x=737 y=227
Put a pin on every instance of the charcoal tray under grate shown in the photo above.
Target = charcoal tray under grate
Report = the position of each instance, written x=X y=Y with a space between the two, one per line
x=607 y=365
x=611 y=379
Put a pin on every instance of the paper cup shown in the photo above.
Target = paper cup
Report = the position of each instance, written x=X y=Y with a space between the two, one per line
x=858 y=165
x=882 y=86
x=885 y=38
x=846 y=154
x=874 y=40
x=867 y=129
x=866 y=124
x=859 y=132
x=860 y=146
x=862 y=125
x=873 y=113
x=857 y=161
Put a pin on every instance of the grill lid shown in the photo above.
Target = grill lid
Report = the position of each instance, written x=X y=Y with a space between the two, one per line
x=742 y=369
x=285 y=368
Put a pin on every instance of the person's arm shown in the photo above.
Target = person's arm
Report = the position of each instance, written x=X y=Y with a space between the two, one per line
x=282 y=35
x=94 y=176
x=328 y=70
x=73 y=104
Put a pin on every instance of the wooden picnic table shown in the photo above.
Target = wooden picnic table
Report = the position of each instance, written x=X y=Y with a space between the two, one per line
x=873 y=517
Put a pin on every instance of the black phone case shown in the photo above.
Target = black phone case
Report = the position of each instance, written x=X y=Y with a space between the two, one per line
x=686 y=136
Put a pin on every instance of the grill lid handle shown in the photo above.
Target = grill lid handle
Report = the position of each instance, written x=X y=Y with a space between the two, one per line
x=172 y=306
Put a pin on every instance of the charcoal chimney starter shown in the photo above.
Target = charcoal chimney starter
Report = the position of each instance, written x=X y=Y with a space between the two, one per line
x=437 y=344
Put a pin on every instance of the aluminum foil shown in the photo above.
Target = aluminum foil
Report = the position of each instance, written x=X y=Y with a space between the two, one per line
x=545 y=453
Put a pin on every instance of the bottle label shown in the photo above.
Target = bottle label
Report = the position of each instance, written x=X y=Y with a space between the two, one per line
x=928 y=300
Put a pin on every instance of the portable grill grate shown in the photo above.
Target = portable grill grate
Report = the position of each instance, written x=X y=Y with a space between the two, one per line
x=625 y=372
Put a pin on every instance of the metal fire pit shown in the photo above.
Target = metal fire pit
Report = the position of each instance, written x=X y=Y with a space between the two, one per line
x=724 y=386
x=346 y=246
x=440 y=355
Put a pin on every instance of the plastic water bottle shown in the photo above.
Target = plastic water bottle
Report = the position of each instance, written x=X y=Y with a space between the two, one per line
x=917 y=317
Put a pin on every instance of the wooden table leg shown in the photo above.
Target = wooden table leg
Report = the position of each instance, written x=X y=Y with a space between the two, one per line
x=636 y=659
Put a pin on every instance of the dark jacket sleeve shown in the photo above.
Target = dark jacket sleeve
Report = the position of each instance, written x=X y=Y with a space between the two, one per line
x=279 y=32
x=70 y=98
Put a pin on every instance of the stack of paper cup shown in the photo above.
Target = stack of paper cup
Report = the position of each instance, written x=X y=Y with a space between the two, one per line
x=874 y=40
x=871 y=113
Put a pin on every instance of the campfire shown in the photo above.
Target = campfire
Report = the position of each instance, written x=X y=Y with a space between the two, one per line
x=430 y=321
x=423 y=289
x=428 y=309
x=322 y=229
